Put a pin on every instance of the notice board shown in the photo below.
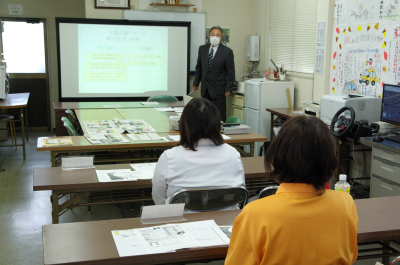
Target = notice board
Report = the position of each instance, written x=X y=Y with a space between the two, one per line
x=365 y=46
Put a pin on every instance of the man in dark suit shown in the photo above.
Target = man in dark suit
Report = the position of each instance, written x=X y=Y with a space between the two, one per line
x=216 y=70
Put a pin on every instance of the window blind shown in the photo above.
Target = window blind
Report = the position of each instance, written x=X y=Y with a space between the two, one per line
x=293 y=28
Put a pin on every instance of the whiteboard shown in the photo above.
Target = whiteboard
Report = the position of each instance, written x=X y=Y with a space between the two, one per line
x=198 y=26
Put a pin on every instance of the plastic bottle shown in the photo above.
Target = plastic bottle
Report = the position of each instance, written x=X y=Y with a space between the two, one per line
x=342 y=184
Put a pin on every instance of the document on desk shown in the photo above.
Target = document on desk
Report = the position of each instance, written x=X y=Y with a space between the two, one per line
x=144 y=136
x=56 y=141
x=110 y=138
x=175 y=138
x=168 y=238
x=133 y=126
x=207 y=233
x=144 y=166
x=152 y=240
x=116 y=175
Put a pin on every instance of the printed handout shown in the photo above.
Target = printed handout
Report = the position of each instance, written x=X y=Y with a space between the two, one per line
x=56 y=141
x=115 y=175
x=110 y=138
x=167 y=238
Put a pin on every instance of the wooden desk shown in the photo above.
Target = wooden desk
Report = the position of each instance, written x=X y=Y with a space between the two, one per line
x=18 y=101
x=81 y=144
x=281 y=113
x=84 y=181
x=92 y=242
x=60 y=107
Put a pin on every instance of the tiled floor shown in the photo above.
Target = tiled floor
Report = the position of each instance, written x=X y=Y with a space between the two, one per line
x=23 y=211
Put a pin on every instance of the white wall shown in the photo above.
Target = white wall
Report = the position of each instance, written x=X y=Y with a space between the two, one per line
x=321 y=82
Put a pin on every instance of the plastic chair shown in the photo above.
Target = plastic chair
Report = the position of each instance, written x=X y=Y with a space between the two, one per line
x=233 y=119
x=271 y=190
x=70 y=128
x=9 y=118
x=162 y=98
x=74 y=120
x=211 y=198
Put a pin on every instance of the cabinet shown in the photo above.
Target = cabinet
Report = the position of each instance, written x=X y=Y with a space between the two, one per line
x=235 y=105
x=385 y=173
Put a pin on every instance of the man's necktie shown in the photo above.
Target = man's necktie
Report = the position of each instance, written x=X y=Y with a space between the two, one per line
x=210 y=57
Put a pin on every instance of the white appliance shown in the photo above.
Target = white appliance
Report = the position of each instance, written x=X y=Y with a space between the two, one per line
x=262 y=94
x=3 y=80
x=312 y=108
x=366 y=107
x=253 y=48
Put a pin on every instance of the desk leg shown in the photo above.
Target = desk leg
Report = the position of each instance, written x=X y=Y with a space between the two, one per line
x=252 y=149
x=271 y=135
x=21 y=111
x=385 y=260
x=26 y=123
x=53 y=158
x=54 y=203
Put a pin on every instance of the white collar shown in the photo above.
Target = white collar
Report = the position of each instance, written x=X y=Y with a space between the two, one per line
x=204 y=141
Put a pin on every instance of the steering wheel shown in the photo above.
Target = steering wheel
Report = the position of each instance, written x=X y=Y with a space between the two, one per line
x=341 y=124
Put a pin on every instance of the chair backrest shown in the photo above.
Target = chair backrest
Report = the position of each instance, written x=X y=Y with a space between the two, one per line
x=233 y=119
x=162 y=98
x=270 y=190
x=70 y=129
x=74 y=120
x=211 y=198
x=71 y=115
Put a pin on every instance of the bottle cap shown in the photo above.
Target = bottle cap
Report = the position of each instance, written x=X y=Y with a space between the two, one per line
x=343 y=177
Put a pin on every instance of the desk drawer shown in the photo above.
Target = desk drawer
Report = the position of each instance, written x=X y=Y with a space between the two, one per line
x=383 y=188
x=385 y=169
x=237 y=100
x=387 y=155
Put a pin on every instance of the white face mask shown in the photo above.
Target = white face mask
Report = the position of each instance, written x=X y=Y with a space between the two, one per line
x=214 y=40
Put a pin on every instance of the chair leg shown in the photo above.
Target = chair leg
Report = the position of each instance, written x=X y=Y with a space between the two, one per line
x=13 y=134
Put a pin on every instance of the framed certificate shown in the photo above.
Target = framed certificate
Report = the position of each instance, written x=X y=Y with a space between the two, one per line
x=114 y=4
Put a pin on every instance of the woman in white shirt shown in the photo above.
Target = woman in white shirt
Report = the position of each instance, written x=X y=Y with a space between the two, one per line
x=201 y=159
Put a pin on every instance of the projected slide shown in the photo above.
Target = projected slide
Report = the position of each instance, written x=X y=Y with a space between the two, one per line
x=133 y=58
x=113 y=60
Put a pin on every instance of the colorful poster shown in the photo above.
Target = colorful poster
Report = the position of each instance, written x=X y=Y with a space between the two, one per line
x=365 y=46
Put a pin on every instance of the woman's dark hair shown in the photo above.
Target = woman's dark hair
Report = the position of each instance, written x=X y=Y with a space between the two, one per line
x=303 y=152
x=200 y=119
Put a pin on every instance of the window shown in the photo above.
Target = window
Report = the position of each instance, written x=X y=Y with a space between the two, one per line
x=293 y=28
x=23 y=47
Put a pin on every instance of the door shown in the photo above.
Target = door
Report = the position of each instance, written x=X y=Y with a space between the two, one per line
x=25 y=52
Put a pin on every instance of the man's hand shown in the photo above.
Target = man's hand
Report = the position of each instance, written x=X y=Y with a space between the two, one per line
x=195 y=87
x=227 y=94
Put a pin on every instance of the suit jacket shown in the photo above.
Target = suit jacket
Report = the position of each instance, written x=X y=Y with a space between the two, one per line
x=219 y=78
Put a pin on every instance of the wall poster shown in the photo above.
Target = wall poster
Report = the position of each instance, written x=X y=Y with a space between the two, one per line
x=365 y=46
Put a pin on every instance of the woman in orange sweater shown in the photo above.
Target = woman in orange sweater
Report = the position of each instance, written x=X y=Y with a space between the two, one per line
x=302 y=223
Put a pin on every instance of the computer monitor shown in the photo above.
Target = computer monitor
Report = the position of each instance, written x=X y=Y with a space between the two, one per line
x=390 y=111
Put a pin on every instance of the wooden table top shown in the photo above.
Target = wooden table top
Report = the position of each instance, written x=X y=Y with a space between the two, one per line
x=80 y=143
x=17 y=100
x=62 y=106
x=92 y=241
x=55 y=178
x=285 y=112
